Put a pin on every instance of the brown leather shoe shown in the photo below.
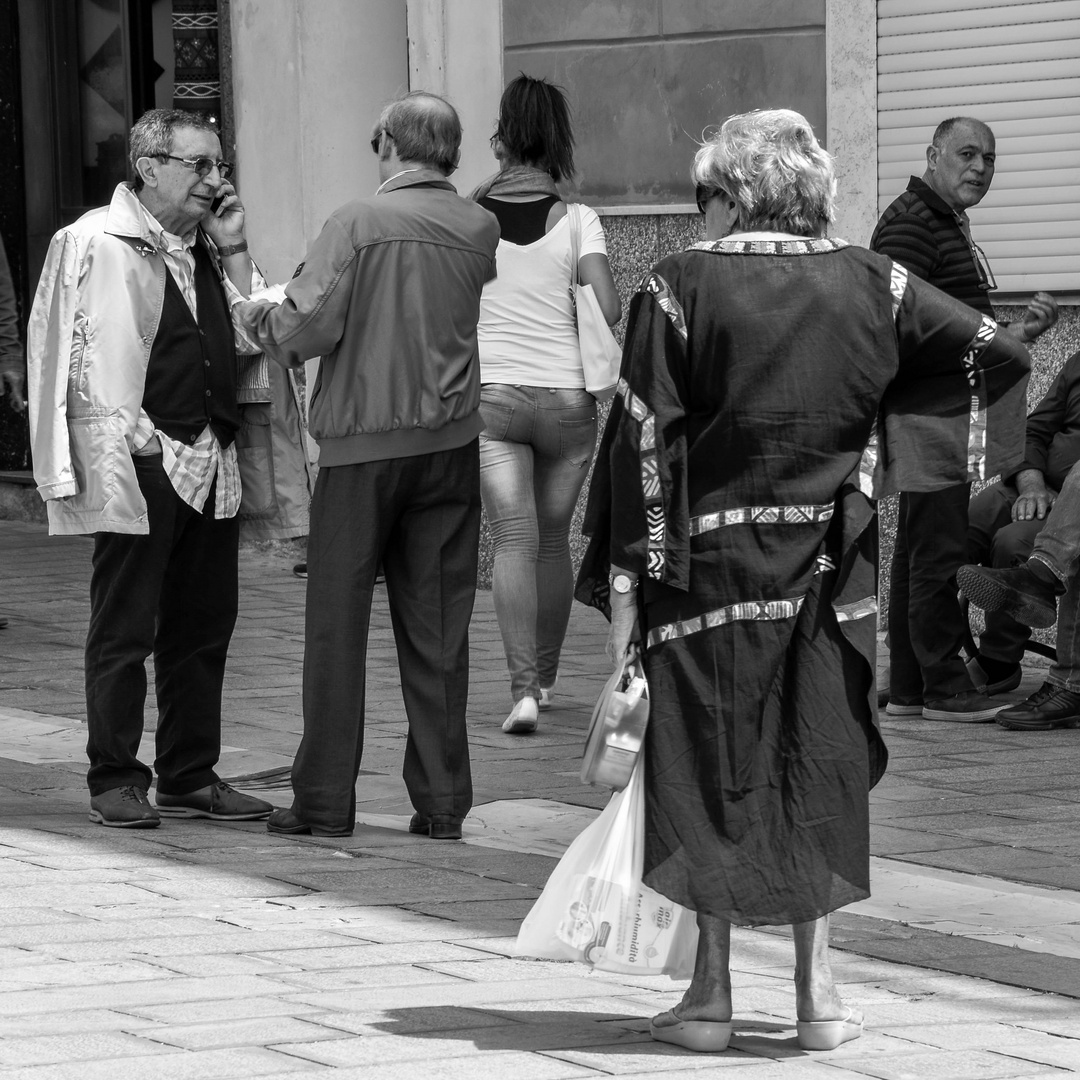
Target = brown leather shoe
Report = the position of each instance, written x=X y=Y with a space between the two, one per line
x=438 y=827
x=124 y=808
x=288 y=823
x=219 y=802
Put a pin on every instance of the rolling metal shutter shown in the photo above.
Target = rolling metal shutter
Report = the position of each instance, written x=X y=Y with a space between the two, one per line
x=1016 y=66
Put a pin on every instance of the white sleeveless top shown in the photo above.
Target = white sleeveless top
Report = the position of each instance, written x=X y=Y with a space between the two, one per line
x=527 y=334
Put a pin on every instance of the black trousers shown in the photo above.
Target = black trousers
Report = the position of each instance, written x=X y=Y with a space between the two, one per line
x=419 y=516
x=172 y=593
x=926 y=626
x=994 y=539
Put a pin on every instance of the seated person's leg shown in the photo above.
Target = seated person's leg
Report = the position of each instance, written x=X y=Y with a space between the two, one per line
x=1056 y=704
x=988 y=513
x=1058 y=543
x=1029 y=592
x=994 y=539
x=1001 y=645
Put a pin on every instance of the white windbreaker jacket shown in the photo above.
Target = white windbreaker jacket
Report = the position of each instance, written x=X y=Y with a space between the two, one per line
x=91 y=328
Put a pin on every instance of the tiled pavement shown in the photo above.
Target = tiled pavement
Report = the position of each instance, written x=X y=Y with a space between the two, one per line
x=202 y=949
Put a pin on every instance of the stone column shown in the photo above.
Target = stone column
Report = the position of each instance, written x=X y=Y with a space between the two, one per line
x=455 y=50
x=851 y=106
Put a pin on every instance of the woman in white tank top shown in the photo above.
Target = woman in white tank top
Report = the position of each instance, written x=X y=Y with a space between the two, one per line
x=540 y=422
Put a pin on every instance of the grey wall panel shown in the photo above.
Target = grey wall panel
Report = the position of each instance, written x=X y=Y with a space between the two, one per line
x=697 y=16
x=638 y=108
x=525 y=22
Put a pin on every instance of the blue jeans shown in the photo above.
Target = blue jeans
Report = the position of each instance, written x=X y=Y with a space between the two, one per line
x=1058 y=546
x=534 y=456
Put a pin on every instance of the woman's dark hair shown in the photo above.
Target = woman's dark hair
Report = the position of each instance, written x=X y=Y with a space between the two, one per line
x=534 y=126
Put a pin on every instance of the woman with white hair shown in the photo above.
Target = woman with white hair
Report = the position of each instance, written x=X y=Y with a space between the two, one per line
x=774 y=381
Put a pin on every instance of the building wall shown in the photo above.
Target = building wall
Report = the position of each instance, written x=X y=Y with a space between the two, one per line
x=455 y=49
x=309 y=80
x=646 y=79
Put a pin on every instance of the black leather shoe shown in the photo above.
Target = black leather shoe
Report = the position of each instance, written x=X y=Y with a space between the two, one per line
x=286 y=823
x=218 y=801
x=124 y=808
x=438 y=828
x=1049 y=707
x=1017 y=592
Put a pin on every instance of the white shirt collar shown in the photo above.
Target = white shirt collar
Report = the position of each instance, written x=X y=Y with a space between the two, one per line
x=169 y=241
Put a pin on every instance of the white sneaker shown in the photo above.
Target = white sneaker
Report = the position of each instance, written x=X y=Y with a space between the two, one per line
x=546 y=694
x=522 y=718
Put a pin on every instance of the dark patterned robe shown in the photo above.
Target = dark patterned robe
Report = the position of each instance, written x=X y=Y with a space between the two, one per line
x=769 y=392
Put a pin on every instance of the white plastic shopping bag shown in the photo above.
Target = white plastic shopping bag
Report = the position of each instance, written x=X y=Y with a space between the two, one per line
x=595 y=908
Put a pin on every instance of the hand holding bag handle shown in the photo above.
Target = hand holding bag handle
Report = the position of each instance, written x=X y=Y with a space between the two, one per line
x=617 y=727
x=601 y=356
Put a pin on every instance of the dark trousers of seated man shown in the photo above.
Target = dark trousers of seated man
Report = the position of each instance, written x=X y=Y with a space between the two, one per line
x=1053 y=538
x=172 y=592
x=927 y=628
x=994 y=539
x=419 y=516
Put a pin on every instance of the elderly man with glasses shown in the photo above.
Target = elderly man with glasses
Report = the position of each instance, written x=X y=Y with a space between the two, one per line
x=926 y=230
x=135 y=405
x=389 y=297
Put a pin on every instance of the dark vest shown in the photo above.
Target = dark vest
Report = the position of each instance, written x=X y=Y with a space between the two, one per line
x=191 y=376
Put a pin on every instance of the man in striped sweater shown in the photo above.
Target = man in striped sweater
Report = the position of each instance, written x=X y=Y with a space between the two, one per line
x=926 y=229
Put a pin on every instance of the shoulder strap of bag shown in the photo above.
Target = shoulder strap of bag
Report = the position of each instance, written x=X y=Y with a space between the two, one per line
x=573 y=212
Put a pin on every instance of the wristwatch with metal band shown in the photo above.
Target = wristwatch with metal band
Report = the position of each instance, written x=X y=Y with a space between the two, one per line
x=621 y=583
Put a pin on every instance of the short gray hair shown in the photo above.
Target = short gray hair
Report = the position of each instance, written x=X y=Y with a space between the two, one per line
x=773 y=167
x=425 y=129
x=947 y=127
x=152 y=135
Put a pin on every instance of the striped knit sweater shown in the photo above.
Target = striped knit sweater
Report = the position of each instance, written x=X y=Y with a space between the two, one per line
x=920 y=231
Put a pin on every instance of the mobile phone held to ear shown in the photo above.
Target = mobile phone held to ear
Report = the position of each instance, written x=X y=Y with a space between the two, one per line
x=216 y=204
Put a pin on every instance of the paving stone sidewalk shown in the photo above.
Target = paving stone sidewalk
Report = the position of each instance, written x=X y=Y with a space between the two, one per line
x=205 y=949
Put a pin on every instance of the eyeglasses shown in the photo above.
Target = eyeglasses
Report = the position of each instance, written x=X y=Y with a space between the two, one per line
x=987 y=281
x=203 y=165
x=703 y=194
x=376 y=142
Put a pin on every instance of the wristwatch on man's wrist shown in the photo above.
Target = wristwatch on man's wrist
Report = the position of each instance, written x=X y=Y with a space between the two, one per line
x=621 y=583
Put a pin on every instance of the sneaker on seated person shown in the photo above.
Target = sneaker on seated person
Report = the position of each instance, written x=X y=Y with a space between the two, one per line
x=1028 y=593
